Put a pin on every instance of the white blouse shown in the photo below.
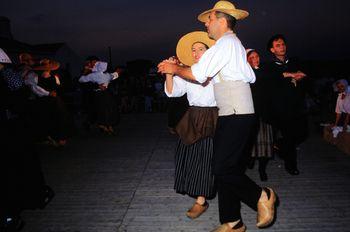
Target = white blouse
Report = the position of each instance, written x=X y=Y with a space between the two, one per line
x=343 y=105
x=98 y=76
x=197 y=94
x=31 y=80
x=226 y=56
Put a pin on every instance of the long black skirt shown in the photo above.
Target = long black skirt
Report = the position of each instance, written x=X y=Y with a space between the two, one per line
x=103 y=104
x=193 y=172
x=263 y=147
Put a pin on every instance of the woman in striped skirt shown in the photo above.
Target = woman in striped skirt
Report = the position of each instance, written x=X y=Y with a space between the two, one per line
x=263 y=140
x=193 y=175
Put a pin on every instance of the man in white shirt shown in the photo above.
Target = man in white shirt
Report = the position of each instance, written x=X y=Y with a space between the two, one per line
x=226 y=63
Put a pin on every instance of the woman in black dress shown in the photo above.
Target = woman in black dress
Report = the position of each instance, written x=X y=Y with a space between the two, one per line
x=263 y=141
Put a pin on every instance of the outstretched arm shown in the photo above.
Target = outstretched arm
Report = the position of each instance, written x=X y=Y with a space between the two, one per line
x=169 y=83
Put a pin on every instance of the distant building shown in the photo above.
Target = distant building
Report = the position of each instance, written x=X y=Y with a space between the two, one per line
x=60 y=52
x=5 y=28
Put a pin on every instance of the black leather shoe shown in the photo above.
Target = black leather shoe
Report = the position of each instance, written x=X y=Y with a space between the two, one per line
x=12 y=224
x=48 y=195
x=293 y=171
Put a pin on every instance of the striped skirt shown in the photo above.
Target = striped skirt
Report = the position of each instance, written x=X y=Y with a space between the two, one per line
x=193 y=174
x=263 y=146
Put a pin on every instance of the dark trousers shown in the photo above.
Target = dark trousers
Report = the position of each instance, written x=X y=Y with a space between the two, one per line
x=288 y=149
x=293 y=133
x=48 y=116
x=21 y=179
x=103 y=103
x=229 y=165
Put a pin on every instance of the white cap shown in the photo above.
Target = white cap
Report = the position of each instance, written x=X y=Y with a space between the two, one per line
x=4 y=57
x=249 y=50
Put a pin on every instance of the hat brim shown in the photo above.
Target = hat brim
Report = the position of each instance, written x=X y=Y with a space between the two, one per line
x=184 y=46
x=5 y=61
x=48 y=67
x=236 y=13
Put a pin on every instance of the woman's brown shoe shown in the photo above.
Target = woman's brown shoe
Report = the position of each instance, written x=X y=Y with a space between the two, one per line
x=266 y=209
x=240 y=227
x=197 y=210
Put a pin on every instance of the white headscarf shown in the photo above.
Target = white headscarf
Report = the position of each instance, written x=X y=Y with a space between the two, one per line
x=341 y=81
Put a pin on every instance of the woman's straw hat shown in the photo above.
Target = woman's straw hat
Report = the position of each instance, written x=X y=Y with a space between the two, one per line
x=184 y=46
x=47 y=65
x=224 y=7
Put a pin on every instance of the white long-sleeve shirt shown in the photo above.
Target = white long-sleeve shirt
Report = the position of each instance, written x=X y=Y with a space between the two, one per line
x=197 y=94
x=31 y=80
x=227 y=56
x=98 y=76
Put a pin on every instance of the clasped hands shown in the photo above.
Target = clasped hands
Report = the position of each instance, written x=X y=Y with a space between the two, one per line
x=53 y=93
x=295 y=75
x=168 y=66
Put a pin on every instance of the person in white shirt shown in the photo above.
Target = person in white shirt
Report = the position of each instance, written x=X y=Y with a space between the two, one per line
x=103 y=100
x=193 y=175
x=30 y=77
x=342 y=109
x=99 y=76
x=227 y=64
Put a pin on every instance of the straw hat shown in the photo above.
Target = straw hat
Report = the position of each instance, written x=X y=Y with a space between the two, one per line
x=47 y=65
x=224 y=7
x=184 y=46
x=4 y=59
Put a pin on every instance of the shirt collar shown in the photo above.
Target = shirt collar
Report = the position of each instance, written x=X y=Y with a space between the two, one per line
x=346 y=92
x=280 y=62
x=227 y=33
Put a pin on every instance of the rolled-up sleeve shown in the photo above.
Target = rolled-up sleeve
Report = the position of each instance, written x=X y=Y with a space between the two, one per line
x=179 y=87
x=32 y=81
x=87 y=78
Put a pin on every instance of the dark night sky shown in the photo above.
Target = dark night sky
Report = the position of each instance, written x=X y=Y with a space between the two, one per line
x=315 y=29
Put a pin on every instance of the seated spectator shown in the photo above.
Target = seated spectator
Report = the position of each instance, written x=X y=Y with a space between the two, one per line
x=342 y=109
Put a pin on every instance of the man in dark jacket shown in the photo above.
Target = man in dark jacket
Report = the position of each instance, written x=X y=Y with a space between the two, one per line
x=286 y=98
